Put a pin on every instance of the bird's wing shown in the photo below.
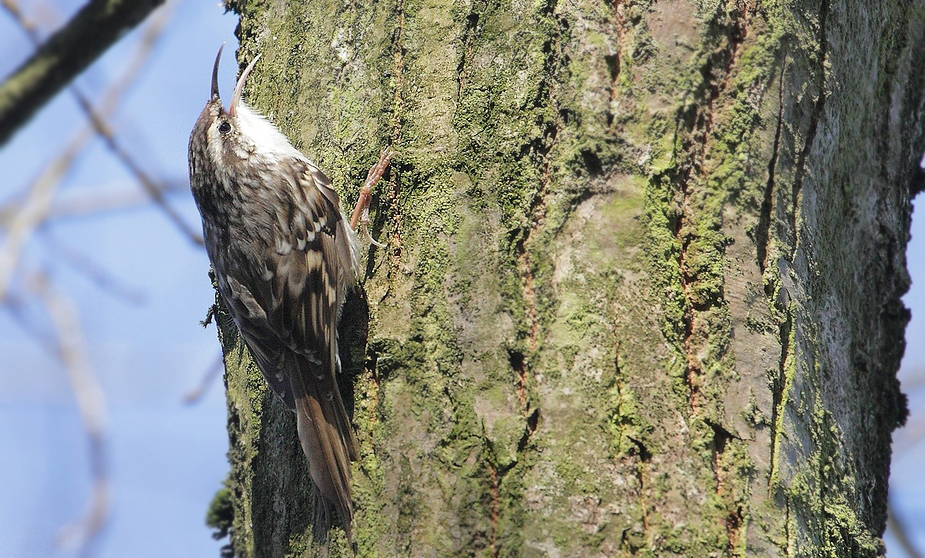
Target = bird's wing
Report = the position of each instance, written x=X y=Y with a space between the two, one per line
x=291 y=307
x=291 y=294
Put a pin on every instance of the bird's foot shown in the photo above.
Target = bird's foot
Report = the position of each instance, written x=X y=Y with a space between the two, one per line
x=361 y=211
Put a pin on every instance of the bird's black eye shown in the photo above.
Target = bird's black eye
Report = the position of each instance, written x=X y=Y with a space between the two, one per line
x=224 y=127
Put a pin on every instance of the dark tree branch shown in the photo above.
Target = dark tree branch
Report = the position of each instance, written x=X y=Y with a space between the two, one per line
x=34 y=210
x=155 y=191
x=65 y=55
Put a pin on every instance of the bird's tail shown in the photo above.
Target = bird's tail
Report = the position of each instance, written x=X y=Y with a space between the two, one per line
x=326 y=436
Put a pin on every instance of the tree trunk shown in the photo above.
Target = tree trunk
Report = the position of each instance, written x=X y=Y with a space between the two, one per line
x=641 y=294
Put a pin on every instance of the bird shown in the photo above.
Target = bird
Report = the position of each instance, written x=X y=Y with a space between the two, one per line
x=284 y=257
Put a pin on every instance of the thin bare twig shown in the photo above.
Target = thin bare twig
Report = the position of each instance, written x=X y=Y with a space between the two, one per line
x=84 y=264
x=26 y=24
x=16 y=306
x=64 y=55
x=94 y=204
x=91 y=403
x=213 y=371
x=35 y=209
x=900 y=532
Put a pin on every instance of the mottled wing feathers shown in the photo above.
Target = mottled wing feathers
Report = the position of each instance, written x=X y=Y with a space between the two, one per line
x=306 y=269
x=344 y=247
x=304 y=263
x=264 y=345
x=306 y=266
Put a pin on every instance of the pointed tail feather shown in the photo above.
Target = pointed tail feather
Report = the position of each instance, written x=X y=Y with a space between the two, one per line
x=326 y=436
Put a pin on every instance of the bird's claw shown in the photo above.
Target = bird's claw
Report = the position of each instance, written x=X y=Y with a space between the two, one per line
x=361 y=211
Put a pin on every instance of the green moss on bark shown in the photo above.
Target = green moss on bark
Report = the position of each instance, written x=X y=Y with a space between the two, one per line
x=614 y=294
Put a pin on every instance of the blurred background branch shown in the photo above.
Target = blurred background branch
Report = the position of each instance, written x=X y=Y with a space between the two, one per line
x=98 y=118
x=64 y=56
x=54 y=320
x=901 y=532
x=30 y=214
x=70 y=347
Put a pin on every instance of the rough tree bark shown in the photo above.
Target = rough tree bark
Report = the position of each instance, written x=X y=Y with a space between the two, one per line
x=641 y=294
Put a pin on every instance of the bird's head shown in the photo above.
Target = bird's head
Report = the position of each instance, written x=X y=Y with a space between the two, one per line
x=237 y=139
x=218 y=132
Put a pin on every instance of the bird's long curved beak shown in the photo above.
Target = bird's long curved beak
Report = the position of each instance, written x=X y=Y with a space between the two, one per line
x=239 y=88
x=218 y=58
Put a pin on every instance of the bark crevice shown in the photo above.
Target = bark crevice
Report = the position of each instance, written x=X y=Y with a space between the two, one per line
x=766 y=218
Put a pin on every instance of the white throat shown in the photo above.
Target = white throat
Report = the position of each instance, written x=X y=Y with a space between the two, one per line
x=268 y=142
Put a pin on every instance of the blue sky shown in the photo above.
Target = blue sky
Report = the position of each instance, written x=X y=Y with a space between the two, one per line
x=167 y=458
x=907 y=491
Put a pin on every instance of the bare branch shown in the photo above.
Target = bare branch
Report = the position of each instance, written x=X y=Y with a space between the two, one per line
x=94 y=204
x=64 y=56
x=26 y=24
x=81 y=262
x=154 y=191
x=150 y=185
x=91 y=403
x=17 y=309
x=38 y=202
x=35 y=208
